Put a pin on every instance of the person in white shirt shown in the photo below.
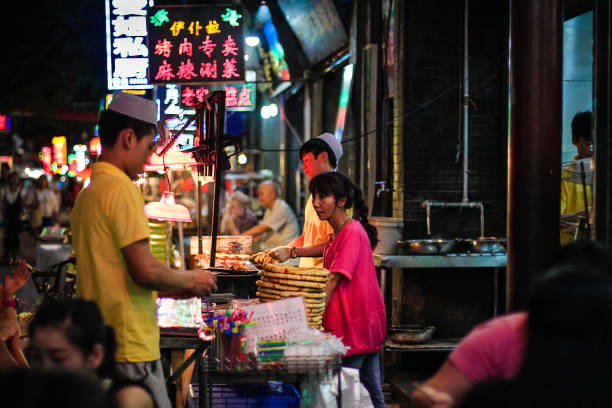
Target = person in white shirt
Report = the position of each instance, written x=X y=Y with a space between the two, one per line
x=279 y=224
x=48 y=204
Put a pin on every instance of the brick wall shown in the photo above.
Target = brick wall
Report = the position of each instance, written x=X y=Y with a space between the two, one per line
x=433 y=61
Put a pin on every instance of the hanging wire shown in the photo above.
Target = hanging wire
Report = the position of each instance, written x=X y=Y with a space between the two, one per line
x=390 y=122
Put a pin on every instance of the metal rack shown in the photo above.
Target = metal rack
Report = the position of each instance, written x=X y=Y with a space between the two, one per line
x=295 y=369
x=403 y=262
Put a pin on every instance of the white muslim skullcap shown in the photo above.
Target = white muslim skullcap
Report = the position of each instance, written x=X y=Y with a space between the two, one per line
x=135 y=107
x=333 y=143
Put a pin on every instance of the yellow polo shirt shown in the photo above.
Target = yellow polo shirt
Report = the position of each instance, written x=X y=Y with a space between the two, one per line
x=572 y=200
x=108 y=216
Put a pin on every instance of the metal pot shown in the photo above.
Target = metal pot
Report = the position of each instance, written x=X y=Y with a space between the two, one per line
x=489 y=245
x=426 y=246
x=411 y=334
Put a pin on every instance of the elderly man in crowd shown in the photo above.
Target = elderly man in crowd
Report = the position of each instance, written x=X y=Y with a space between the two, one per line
x=237 y=217
x=279 y=224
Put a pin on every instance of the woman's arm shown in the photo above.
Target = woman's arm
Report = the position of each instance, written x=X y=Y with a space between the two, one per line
x=332 y=283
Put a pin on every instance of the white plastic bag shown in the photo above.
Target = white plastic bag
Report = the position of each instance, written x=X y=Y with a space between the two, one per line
x=324 y=394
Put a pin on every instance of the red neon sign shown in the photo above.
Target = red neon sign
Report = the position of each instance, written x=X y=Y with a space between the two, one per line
x=5 y=122
x=47 y=159
x=95 y=147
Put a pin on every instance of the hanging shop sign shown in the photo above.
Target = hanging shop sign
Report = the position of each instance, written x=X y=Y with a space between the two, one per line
x=5 y=123
x=126 y=46
x=195 y=44
x=317 y=26
x=238 y=97
x=80 y=158
x=46 y=157
x=95 y=147
x=60 y=154
x=173 y=115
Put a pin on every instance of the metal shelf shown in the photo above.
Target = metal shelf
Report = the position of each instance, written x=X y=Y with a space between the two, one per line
x=443 y=261
x=434 y=345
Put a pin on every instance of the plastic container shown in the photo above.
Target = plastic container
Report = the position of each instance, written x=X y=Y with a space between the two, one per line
x=250 y=396
x=389 y=232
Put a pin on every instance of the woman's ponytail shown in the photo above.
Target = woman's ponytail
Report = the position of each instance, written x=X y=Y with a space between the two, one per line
x=360 y=213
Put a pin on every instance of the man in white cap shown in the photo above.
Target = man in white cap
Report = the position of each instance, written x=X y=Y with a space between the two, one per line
x=111 y=240
x=318 y=155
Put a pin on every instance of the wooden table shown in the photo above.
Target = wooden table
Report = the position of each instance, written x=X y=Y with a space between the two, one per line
x=177 y=346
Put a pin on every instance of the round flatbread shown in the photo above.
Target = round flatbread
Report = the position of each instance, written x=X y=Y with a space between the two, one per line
x=265 y=284
x=287 y=293
x=284 y=286
x=307 y=301
x=310 y=278
x=295 y=282
x=296 y=270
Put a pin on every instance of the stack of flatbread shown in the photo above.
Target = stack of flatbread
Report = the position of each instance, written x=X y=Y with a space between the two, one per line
x=284 y=281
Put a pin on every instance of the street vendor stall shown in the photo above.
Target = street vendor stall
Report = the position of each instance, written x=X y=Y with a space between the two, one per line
x=246 y=341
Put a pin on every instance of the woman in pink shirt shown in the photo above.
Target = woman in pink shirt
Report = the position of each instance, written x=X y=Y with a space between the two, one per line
x=354 y=310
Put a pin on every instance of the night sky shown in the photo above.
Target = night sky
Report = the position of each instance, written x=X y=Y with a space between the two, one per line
x=53 y=64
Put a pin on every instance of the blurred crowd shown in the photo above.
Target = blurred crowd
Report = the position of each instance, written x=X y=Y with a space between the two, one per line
x=29 y=205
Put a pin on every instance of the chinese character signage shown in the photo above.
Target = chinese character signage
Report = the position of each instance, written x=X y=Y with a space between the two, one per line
x=238 y=97
x=195 y=44
x=126 y=47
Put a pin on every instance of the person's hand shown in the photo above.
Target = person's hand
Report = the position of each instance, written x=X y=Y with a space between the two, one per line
x=281 y=253
x=17 y=278
x=205 y=282
x=433 y=398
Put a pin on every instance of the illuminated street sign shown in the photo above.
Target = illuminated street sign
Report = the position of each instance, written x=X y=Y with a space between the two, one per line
x=195 y=44
x=126 y=44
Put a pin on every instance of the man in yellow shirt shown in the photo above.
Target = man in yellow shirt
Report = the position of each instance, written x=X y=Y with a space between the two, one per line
x=572 y=192
x=318 y=155
x=111 y=240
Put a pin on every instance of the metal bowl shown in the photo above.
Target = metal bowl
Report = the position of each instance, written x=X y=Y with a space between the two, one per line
x=489 y=245
x=411 y=334
x=426 y=246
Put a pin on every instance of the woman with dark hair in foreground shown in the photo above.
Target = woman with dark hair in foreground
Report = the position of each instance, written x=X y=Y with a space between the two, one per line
x=69 y=334
x=568 y=359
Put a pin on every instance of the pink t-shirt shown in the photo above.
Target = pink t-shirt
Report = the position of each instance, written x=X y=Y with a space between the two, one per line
x=356 y=312
x=494 y=349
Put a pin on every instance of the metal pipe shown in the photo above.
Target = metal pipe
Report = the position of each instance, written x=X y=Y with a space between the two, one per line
x=466 y=99
x=461 y=204
x=181 y=245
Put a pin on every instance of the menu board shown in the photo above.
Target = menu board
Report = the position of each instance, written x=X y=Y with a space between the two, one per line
x=195 y=44
x=126 y=49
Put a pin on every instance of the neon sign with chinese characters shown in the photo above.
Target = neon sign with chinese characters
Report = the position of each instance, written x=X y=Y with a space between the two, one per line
x=195 y=44
x=238 y=97
x=126 y=44
x=60 y=154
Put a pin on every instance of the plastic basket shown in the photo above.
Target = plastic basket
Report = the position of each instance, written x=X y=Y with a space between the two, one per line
x=250 y=396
